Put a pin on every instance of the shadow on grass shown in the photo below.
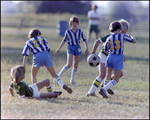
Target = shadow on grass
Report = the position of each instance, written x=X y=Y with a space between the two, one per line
x=63 y=100
x=136 y=58
x=15 y=55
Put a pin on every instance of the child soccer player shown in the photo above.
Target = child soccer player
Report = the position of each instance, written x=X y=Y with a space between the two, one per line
x=32 y=91
x=73 y=36
x=115 y=46
x=103 y=55
x=41 y=57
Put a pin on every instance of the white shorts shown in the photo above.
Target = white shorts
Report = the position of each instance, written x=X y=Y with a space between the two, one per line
x=102 y=57
x=36 y=92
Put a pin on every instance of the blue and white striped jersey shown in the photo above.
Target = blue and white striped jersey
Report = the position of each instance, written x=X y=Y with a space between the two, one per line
x=115 y=43
x=36 y=44
x=74 y=38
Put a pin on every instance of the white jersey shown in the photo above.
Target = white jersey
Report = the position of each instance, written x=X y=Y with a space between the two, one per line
x=93 y=14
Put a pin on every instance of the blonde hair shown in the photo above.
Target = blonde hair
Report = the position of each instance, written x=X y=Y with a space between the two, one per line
x=17 y=73
x=125 y=25
x=73 y=19
x=33 y=33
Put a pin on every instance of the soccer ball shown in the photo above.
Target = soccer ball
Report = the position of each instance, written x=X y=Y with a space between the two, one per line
x=93 y=60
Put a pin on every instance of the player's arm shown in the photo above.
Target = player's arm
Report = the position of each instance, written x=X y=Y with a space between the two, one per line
x=95 y=45
x=11 y=91
x=60 y=46
x=134 y=40
x=24 y=60
x=86 y=48
x=94 y=18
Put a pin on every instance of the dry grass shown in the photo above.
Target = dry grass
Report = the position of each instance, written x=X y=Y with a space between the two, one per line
x=130 y=101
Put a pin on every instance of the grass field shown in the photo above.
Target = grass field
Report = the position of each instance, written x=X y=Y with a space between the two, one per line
x=131 y=98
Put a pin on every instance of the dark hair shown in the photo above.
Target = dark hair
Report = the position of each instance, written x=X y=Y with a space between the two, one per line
x=94 y=6
x=73 y=19
x=34 y=32
x=115 y=25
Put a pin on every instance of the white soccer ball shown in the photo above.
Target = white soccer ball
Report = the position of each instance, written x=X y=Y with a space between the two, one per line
x=93 y=60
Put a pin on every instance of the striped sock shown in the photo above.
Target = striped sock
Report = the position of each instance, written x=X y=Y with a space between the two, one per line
x=112 y=76
x=95 y=85
x=109 y=85
x=105 y=82
x=49 y=88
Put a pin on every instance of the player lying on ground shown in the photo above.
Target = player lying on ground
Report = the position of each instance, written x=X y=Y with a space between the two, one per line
x=32 y=91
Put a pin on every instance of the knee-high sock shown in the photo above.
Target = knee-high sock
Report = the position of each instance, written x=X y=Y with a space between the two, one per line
x=59 y=80
x=95 y=85
x=63 y=70
x=109 y=85
x=49 y=88
x=73 y=74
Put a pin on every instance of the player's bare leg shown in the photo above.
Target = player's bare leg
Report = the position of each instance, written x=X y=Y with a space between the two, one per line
x=34 y=71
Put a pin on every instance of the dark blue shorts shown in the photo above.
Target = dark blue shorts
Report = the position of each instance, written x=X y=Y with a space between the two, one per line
x=74 y=50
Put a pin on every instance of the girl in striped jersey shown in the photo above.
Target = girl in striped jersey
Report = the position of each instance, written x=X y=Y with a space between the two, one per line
x=41 y=57
x=115 y=45
x=103 y=56
x=73 y=36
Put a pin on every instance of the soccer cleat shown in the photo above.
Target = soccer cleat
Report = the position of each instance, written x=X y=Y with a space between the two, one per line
x=110 y=91
x=102 y=85
x=103 y=93
x=68 y=89
x=73 y=82
x=57 y=93
x=91 y=94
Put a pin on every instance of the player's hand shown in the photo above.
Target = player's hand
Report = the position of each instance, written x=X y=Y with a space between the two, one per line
x=56 y=52
x=87 y=53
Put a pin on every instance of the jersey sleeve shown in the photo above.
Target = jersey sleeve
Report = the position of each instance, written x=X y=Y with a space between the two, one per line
x=65 y=36
x=104 y=38
x=107 y=45
x=46 y=44
x=128 y=39
x=26 y=49
x=83 y=36
x=89 y=13
x=22 y=91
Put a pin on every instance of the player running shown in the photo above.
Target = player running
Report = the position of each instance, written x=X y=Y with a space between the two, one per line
x=41 y=57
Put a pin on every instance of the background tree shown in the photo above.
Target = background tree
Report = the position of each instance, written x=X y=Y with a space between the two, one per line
x=73 y=7
x=121 y=9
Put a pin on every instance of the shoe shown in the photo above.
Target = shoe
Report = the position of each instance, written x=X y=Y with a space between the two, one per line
x=109 y=90
x=103 y=93
x=73 y=82
x=57 y=93
x=68 y=89
x=91 y=94
x=55 y=81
